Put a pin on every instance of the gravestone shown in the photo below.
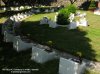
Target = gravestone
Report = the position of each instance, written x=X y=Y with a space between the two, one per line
x=55 y=19
x=30 y=13
x=11 y=8
x=97 y=11
x=20 y=45
x=41 y=56
x=37 y=11
x=4 y=8
x=72 y=25
x=8 y=37
x=21 y=7
x=46 y=10
x=12 y=18
x=71 y=17
x=44 y=20
x=52 y=24
x=16 y=9
x=67 y=66
x=52 y=10
x=82 y=22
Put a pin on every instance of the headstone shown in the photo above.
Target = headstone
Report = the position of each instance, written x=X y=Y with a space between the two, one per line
x=82 y=22
x=37 y=11
x=67 y=66
x=71 y=18
x=25 y=14
x=20 y=45
x=78 y=13
x=16 y=9
x=52 y=10
x=97 y=11
x=12 y=8
x=41 y=56
x=8 y=37
x=30 y=13
x=46 y=10
x=32 y=10
x=72 y=25
x=12 y=18
x=55 y=19
x=4 y=8
x=44 y=20
x=52 y=24
x=21 y=7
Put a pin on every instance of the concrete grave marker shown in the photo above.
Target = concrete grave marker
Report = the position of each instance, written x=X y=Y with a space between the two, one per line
x=52 y=24
x=67 y=66
x=46 y=10
x=8 y=37
x=41 y=56
x=82 y=22
x=72 y=25
x=20 y=45
x=71 y=18
x=44 y=20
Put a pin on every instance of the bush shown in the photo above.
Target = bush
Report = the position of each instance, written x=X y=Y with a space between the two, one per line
x=92 y=5
x=63 y=16
x=64 y=13
x=71 y=8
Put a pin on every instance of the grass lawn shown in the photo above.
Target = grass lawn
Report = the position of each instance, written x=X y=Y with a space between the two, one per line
x=84 y=39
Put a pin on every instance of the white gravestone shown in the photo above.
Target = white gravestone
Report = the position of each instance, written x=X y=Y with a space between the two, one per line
x=82 y=22
x=21 y=7
x=12 y=8
x=12 y=18
x=52 y=24
x=30 y=13
x=8 y=37
x=72 y=25
x=97 y=12
x=46 y=10
x=16 y=18
x=67 y=66
x=4 y=8
x=16 y=9
x=20 y=45
x=55 y=19
x=25 y=14
x=71 y=18
x=52 y=10
x=44 y=20
x=22 y=16
x=41 y=56
x=37 y=11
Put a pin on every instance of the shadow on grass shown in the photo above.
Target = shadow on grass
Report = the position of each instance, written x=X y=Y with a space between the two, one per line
x=11 y=59
x=70 y=41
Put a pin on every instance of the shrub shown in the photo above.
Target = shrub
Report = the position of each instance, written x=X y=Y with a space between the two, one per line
x=71 y=8
x=63 y=16
x=64 y=13
x=92 y=5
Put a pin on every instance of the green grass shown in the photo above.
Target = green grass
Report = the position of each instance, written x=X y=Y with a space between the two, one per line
x=84 y=39
x=91 y=72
